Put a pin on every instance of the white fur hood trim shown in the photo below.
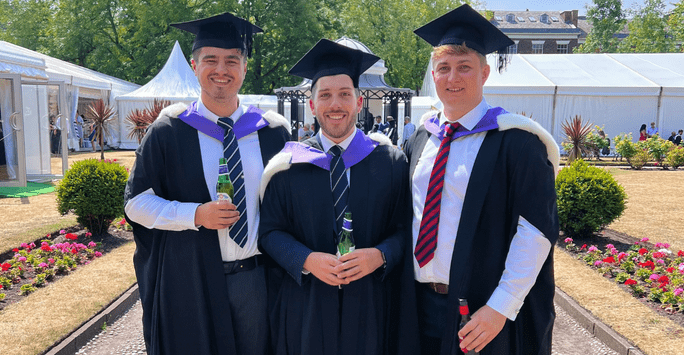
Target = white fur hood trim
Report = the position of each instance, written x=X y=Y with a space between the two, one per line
x=174 y=110
x=511 y=120
x=279 y=162
x=427 y=115
x=380 y=138
x=274 y=120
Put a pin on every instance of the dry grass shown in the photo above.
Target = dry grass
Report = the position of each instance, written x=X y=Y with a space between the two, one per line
x=30 y=326
x=654 y=210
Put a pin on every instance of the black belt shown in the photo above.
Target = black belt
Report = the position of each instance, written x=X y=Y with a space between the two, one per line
x=436 y=287
x=233 y=267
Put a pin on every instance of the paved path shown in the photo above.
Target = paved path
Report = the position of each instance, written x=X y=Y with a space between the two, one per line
x=124 y=337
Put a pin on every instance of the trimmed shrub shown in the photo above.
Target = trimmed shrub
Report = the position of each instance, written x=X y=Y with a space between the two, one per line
x=675 y=157
x=589 y=198
x=93 y=190
x=658 y=148
x=636 y=153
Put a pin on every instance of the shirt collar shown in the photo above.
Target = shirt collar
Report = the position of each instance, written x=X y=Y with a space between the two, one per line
x=204 y=111
x=327 y=143
x=470 y=119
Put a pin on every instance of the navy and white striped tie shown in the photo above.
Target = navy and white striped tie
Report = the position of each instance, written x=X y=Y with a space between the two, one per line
x=340 y=187
x=238 y=231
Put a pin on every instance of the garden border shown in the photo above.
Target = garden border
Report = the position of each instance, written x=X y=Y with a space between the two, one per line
x=123 y=303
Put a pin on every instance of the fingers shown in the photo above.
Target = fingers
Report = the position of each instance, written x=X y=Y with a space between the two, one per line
x=485 y=324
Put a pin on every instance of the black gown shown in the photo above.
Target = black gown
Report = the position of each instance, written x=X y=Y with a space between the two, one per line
x=180 y=274
x=369 y=316
x=511 y=177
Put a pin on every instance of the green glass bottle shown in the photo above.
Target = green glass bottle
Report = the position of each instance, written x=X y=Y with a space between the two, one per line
x=345 y=243
x=224 y=187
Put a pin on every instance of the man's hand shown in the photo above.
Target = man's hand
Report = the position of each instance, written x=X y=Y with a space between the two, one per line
x=358 y=264
x=322 y=265
x=216 y=215
x=485 y=324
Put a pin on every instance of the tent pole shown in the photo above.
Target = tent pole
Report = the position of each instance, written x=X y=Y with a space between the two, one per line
x=553 y=113
x=658 y=120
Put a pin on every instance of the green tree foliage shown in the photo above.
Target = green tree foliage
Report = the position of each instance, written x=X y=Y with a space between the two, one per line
x=607 y=19
x=675 y=23
x=648 y=32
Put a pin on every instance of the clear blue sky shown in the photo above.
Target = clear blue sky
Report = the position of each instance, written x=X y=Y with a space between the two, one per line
x=559 y=5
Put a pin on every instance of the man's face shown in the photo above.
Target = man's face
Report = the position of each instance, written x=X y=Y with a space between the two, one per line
x=459 y=80
x=335 y=105
x=378 y=119
x=652 y=124
x=220 y=73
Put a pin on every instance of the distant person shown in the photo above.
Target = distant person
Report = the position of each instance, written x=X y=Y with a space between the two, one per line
x=305 y=132
x=55 y=134
x=642 y=133
x=409 y=128
x=678 y=138
x=377 y=124
x=391 y=130
x=672 y=137
x=652 y=131
x=78 y=129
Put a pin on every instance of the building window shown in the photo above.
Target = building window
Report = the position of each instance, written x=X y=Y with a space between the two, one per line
x=510 y=18
x=513 y=48
x=562 y=49
x=544 y=18
x=537 y=48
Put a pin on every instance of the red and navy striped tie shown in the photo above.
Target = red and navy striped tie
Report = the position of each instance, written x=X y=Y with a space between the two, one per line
x=427 y=234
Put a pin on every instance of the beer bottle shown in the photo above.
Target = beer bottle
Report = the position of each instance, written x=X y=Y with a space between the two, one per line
x=345 y=243
x=224 y=187
x=465 y=318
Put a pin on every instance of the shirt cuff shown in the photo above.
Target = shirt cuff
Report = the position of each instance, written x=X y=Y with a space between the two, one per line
x=505 y=303
x=186 y=215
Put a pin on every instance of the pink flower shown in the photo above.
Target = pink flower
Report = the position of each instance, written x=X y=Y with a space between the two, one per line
x=32 y=245
x=681 y=268
x=660 y=261
x=598 y=263
x=610 y=246
x=24 y=245
x=568 y=240
x=22 y=258
x=613 y=251
x=654 y=277
x=88 y=234
x=98 y=254
x=51 y=260
x=92 y=245
x=592 y=248
x=678 y=291
x=62 y=231
x=43 y=265
x=644 y=240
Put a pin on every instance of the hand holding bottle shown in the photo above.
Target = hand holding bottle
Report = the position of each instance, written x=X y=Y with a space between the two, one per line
x=216 y=215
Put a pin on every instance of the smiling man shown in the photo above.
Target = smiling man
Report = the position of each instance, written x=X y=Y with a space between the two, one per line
x=201 y=276
x=349 y=305
x=484 y=205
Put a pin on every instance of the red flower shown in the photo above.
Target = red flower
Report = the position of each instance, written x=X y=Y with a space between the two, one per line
x=670 y=270
x=649 y=264
x=584 y=246
x=6 y=266
x=71 y=236
x=45 y=247
x=680 y=253
x=658 y=255
x=643 y=251
x=74 y=251
x=15 y=250
x=630 y=282
x=0 y=287
x=609 y=259
x=664 y=280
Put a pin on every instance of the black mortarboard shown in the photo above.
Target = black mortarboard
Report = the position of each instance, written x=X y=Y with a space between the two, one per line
x=463 y=25
x=221 y=31
x=330 y=58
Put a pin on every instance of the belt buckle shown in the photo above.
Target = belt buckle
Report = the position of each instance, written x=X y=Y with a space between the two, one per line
x=440 y=288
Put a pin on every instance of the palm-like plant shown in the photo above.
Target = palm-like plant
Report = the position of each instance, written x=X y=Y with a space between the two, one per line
x=101 y=116
x=140 y=120
x=576 y=137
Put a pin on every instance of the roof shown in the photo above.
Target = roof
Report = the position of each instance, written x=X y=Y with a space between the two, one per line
x=520 y=22
x=176 y=80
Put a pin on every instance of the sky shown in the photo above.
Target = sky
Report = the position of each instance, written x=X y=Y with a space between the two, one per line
x=556 y=5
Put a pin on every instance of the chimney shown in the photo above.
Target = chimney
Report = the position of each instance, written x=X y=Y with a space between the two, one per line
x=570 y=17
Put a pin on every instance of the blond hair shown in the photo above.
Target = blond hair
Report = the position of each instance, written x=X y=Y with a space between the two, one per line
x=456 y=49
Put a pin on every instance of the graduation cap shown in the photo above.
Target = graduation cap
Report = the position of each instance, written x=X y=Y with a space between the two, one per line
x=465 y=26
x=328 y=58
x=221 y=31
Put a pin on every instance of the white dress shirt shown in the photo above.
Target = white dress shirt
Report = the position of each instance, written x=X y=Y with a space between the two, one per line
x=327 y=144
x=152 y=211
x=529 y=248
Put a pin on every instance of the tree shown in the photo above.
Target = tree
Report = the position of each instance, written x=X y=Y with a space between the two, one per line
x=607 y=19
x=648 y=31
x=101 y=116
x=676 y=24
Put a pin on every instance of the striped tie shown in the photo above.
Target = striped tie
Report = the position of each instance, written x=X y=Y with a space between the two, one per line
x=340 y=187
x=427 y=235
x=237 y=231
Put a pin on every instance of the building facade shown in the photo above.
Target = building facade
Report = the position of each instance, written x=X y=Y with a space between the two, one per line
x=540 y=32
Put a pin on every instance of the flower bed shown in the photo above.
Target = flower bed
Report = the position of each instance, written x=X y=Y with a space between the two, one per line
x=38 y=263
x=651 y=272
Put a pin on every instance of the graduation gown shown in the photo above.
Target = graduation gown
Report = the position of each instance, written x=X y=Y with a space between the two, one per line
x=370 y=315
x=513 y=175
x=180 y=273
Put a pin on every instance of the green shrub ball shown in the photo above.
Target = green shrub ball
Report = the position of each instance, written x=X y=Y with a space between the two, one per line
x=93 y=190
x=589 y=199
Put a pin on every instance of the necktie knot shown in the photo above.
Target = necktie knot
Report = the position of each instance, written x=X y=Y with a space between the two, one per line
x=450 y=129
x=335 y=150
x=226 y=122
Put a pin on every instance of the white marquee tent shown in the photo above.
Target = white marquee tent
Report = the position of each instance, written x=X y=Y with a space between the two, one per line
x=46 y=83
x=618 y=91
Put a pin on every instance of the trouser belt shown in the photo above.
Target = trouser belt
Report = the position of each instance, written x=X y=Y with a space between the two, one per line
x=232 y=267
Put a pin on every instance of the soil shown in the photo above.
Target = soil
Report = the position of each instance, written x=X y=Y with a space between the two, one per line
x=110 y=240
x=623 y=242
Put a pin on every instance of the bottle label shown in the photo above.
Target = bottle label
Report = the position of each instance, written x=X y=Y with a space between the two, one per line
x=347 y=224
x=339 y=253
x=224 y=196
x=223 y=169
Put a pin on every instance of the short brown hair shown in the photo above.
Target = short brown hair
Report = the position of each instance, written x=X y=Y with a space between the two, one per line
x=456 y=49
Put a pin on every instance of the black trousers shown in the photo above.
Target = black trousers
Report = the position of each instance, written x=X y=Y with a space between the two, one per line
x=247 y=299
x=432 y=318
